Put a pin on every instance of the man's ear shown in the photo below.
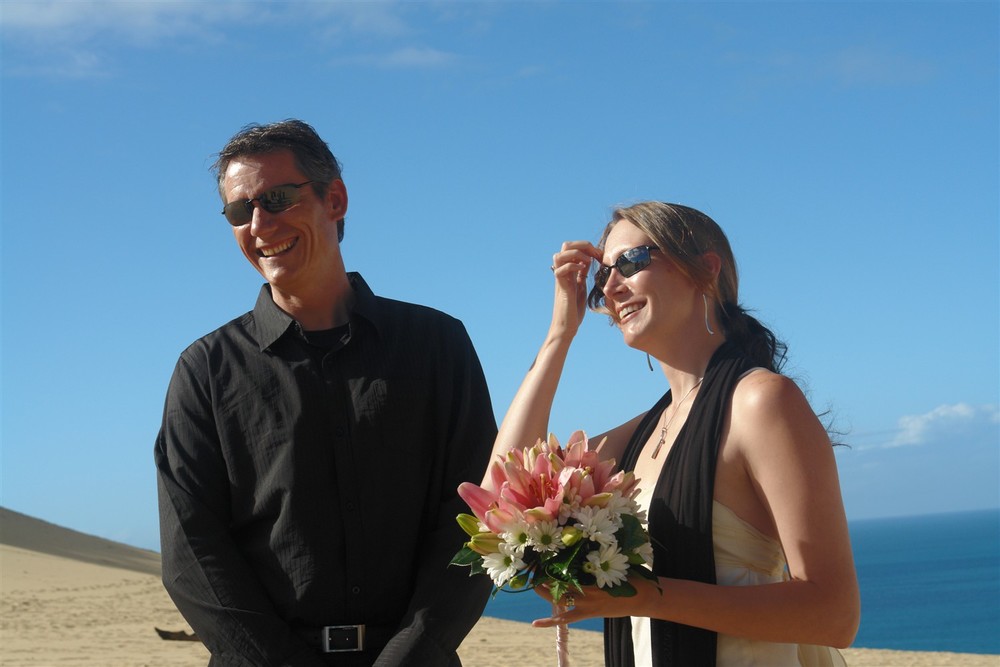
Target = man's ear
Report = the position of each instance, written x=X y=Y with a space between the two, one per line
x=336 y=199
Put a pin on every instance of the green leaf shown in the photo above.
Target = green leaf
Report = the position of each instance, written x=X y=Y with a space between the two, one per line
x=563 y=561
x=466 y=557
x=631 y=535
x=557 y=590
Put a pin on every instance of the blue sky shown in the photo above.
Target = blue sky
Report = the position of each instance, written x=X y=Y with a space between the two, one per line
x=849 y=149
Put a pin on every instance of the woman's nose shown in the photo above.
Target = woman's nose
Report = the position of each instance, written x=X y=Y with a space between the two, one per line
x=614 y=283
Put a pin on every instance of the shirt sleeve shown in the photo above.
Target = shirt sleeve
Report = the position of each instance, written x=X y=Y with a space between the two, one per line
x=203 y=570
x=447 y=602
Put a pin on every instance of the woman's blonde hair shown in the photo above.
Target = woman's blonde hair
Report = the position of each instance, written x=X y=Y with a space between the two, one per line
x=684 y=235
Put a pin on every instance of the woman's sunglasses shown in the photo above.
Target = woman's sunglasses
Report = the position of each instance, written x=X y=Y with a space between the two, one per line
x=629 y=263
x=275 y=200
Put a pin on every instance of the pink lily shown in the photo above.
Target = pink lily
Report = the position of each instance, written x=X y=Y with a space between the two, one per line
x=479 y=500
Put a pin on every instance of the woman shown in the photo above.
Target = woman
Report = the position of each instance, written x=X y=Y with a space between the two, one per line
x=751 y=547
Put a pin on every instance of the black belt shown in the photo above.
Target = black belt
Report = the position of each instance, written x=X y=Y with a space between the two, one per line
x=346 y=638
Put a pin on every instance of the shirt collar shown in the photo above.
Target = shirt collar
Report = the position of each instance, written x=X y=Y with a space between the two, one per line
x=272 y=322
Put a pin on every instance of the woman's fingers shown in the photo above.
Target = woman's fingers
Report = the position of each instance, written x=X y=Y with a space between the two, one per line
x=574 y=607
x=566 y=615
x=578 y=253
x=583 y=246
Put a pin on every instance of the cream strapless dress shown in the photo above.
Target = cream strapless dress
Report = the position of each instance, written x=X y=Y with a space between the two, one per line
x=743 y=557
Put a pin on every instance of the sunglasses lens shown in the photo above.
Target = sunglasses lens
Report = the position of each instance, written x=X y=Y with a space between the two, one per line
x=238 y=213
x=628 y=269
x=601 y=277
x=279 y=198
x=632 y=261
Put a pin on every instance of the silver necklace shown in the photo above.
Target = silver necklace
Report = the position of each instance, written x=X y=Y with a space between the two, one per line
x=677 y=408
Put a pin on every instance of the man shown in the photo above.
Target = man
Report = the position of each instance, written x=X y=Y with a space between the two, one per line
x=311 y=449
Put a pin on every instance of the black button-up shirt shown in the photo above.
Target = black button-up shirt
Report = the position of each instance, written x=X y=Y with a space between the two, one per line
x=302 y=487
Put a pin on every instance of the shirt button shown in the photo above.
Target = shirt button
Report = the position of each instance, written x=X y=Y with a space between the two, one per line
x=339 y=431
x=350 y=506
x=356 y=590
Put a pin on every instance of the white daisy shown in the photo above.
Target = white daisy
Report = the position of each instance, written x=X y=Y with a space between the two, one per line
x=608 y=565
x=518 y=536
x=619 y=505
x=503 y=564
x=597 y=524
x=645 y=552
x=545 y=536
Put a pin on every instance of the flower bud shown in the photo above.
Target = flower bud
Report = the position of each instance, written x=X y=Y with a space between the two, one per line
x=469 y=524
x=571 y=535
x=485 y=543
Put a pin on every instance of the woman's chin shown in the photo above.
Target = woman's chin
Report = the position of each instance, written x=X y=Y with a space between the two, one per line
x=633 y=339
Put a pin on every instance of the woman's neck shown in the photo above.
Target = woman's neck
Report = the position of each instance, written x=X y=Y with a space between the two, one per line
x=684 y=364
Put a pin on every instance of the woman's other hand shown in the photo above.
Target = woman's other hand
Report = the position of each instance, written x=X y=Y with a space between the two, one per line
x=570 y=266
x=594 y=602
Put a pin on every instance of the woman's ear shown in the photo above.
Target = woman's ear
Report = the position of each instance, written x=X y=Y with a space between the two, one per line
x=713 y=263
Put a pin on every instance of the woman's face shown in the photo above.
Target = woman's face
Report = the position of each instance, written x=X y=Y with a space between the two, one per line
x=653 y=305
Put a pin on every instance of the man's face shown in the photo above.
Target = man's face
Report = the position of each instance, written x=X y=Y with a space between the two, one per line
x=295 y=249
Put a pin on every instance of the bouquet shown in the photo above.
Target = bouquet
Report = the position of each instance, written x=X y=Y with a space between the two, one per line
x=556 y=517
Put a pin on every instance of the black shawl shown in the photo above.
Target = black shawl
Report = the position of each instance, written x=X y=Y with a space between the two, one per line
x=680 y=514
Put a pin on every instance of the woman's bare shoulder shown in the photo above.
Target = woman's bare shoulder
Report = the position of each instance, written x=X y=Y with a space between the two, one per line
x=764 y=391
x=769 y=408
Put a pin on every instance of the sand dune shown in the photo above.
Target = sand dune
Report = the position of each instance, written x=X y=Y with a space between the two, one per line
x=25 y=532
x=74 y=599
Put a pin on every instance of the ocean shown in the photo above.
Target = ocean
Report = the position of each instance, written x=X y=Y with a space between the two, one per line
x=928 y=583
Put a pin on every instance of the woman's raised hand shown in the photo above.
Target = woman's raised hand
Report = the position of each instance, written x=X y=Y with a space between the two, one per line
x=570 y=266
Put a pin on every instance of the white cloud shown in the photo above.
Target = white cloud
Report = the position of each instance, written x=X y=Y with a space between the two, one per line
x=861 y=65
x=405 y=58
x=63 y=63
x=79 y=21
x=54 y=37
x=51 y=23
x=42 y=15
x=944 y=460
x=76 y=39
x=947 y=423
x=379 y=19
x=849 y=66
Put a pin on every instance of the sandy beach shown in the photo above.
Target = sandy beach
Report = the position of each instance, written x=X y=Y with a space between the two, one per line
x=74 y=599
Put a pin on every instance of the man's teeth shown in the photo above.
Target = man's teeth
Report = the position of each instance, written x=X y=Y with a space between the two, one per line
x=275 y=250
x=627 y=310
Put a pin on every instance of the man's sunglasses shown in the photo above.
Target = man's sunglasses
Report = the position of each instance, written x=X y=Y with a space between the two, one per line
x=275 y=200
x=629 y=263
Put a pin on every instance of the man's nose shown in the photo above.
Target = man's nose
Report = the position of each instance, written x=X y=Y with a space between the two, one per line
x=259 y=218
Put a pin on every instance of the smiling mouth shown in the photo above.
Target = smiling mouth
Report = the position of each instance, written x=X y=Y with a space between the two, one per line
x=628 y=310
x=271 y=251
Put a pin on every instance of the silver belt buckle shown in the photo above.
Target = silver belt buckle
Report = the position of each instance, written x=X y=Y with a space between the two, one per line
x=343 y=638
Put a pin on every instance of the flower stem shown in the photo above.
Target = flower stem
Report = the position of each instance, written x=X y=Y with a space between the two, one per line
x=562 y=637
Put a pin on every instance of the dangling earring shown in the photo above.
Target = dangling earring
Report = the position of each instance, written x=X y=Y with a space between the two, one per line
x=649 y=362
x=707 y=325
